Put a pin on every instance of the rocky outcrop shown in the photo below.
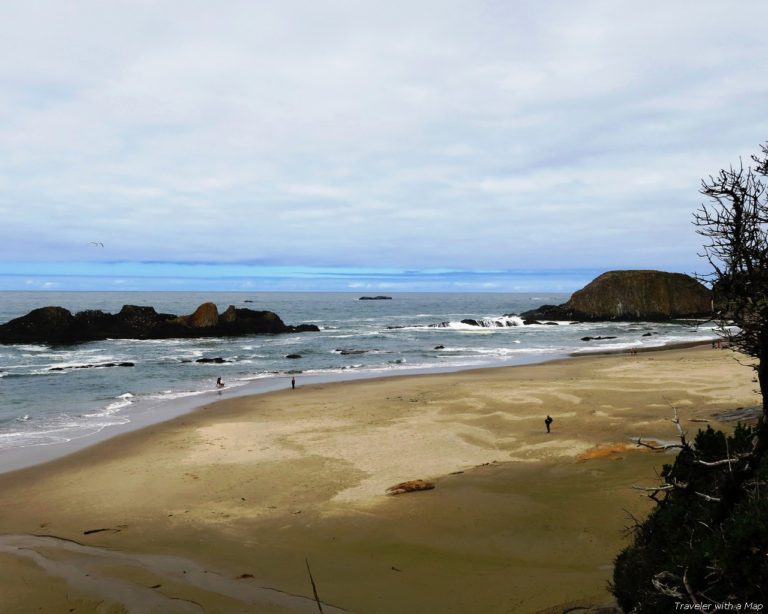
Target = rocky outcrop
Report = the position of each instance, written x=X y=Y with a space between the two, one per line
x=58 y=325
x=633 y=296
x=205 y=316
x=102 y=365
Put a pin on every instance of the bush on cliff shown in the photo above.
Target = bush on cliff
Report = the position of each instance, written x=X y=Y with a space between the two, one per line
x=706 y=542
x=707 y=539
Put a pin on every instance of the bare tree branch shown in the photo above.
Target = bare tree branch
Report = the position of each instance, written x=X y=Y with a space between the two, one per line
x=688 y=588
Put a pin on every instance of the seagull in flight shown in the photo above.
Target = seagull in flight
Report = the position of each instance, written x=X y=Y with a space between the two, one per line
x=97 y=243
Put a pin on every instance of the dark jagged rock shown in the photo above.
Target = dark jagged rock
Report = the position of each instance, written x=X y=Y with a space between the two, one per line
x=215 y=361
x=293 y=356
x=45 y=323
x=632 y=296
x=471 y=322
x=529 y=321
x=548 y=312
x=439 y=347
x=58 y=325
x=596 y=338
x=303 y=328
x=375 y=298
x=97 y=366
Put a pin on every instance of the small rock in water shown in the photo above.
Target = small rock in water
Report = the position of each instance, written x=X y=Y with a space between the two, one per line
x=350 y=351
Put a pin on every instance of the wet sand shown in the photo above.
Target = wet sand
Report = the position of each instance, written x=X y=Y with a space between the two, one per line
x=220 y=510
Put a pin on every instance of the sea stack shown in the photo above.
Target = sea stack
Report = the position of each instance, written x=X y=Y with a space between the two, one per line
x=633 y=296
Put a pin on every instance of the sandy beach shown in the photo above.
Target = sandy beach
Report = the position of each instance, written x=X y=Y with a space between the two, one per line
x=222 y=509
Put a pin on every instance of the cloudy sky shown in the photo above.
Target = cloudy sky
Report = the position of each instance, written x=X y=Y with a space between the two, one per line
x=420 y=145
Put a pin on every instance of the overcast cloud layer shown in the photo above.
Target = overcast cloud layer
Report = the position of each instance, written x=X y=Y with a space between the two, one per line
x=460 y=136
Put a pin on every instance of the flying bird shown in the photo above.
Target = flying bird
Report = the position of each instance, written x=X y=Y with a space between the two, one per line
x=97 y=243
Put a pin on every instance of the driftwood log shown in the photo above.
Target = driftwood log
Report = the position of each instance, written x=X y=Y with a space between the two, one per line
x=410 y=486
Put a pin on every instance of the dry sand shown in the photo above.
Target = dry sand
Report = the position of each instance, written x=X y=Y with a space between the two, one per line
x=218 y=511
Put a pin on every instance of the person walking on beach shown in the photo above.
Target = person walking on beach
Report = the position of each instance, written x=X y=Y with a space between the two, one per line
x=219 y=383
x=293 y=383
x=547 y=421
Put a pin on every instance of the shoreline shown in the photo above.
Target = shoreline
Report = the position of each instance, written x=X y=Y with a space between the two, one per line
x=680 y=345
x=13 y=459
x=249 y=488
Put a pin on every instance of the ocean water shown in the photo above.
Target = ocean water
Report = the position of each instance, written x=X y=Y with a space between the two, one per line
x=51 y=396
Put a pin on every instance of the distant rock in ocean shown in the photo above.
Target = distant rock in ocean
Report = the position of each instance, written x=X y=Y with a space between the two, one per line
x=58 y=325
x=633 y=296
x=102 y=365
x=375 y=298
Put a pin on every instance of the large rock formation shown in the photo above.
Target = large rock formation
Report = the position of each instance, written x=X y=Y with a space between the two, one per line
x=206 y=315
x=57 y=325
x=632 y=296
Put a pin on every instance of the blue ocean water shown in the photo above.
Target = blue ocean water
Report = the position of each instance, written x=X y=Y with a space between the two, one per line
x=56 y=394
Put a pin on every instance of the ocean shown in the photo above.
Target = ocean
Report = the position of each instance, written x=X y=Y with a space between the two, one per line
x=54 y=399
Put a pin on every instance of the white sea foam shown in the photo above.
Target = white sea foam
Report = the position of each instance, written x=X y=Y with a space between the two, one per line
x=258 y=376
x=109 y=410
x=32 y=348
x=175 y=394
x=57 y=429
x=541 y=351
x=468 y=350
x=485 y=324
x=123 y=400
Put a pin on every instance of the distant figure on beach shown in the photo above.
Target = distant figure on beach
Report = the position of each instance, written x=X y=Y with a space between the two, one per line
x=219 y=383
x=293 y=383
x=547 y=421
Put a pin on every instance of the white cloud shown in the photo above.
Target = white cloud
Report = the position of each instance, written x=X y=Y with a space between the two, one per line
x=425 y=134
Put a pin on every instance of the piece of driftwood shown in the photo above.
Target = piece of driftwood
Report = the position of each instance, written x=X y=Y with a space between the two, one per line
x=410 y=486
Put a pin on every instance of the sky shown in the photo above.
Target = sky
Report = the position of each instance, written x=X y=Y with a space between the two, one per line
x=327 y=145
